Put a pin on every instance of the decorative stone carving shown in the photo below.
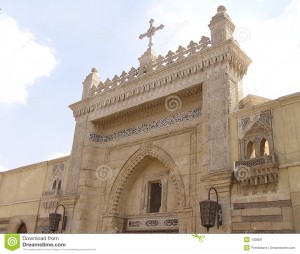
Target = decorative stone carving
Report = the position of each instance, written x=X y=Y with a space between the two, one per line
x=56 y=178
x=147 y=126
x=152 y=223
x=255 y=179
x=149 y=61
x=256 y=171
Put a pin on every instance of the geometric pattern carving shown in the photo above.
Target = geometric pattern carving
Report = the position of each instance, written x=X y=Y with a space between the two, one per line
x=130 y=166
x=147 y=126
x=58 y=170
x=255 y=161
x=245 y=122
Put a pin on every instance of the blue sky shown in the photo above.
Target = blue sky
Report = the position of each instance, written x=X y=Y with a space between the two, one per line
x=47 y=48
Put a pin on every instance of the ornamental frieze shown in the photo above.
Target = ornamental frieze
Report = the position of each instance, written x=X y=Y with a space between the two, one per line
x=153 y=223
x=146 y=127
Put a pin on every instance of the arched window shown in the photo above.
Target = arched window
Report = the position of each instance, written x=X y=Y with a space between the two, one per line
x=59 y=185
x=22 y=229
x=264 y=147
x=54 y=185
x=250 y=150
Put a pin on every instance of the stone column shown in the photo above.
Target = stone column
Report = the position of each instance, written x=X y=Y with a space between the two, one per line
x=76 y=155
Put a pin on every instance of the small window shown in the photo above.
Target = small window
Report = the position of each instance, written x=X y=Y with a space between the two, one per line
x=264 y=147
x=250 y=150
x=54 y=185
x=155 y=191
x=59 y=185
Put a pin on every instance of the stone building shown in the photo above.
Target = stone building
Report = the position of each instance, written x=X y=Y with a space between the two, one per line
x=149 y=144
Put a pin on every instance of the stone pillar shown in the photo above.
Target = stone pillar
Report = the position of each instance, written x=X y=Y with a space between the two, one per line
x=76 y=154
x=215 y=108
x=91 y=80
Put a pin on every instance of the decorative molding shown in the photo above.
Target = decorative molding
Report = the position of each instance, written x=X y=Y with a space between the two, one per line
x=137 y=83
x=257 y=179
x=155 y=106
x=146 y=127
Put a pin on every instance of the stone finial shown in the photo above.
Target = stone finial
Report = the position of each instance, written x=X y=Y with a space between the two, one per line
x=94 y=70
x=221 y=26
x=91 y=80
x=221 y=8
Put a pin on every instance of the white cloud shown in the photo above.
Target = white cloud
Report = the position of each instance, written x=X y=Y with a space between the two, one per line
x=58 y=155
x=2 y=168
x=22 y=61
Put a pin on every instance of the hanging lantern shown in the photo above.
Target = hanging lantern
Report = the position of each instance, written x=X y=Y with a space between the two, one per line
x=209 y=210
x=54 y=219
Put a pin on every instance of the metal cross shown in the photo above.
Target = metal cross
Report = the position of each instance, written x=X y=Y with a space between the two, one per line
x=150 y=32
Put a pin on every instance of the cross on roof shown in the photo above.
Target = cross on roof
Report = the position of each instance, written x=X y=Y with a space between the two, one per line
x=150 y=32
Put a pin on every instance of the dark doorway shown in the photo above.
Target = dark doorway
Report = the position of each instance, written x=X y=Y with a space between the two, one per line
x=155 y=197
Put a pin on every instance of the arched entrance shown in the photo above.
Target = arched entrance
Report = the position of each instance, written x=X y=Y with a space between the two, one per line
x=145 y=194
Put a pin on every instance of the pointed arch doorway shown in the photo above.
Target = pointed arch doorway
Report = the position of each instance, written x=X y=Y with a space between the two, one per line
x=146 y=194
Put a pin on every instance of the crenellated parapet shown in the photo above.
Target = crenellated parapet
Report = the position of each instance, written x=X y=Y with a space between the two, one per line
x=162 y=61
x=175 y=66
